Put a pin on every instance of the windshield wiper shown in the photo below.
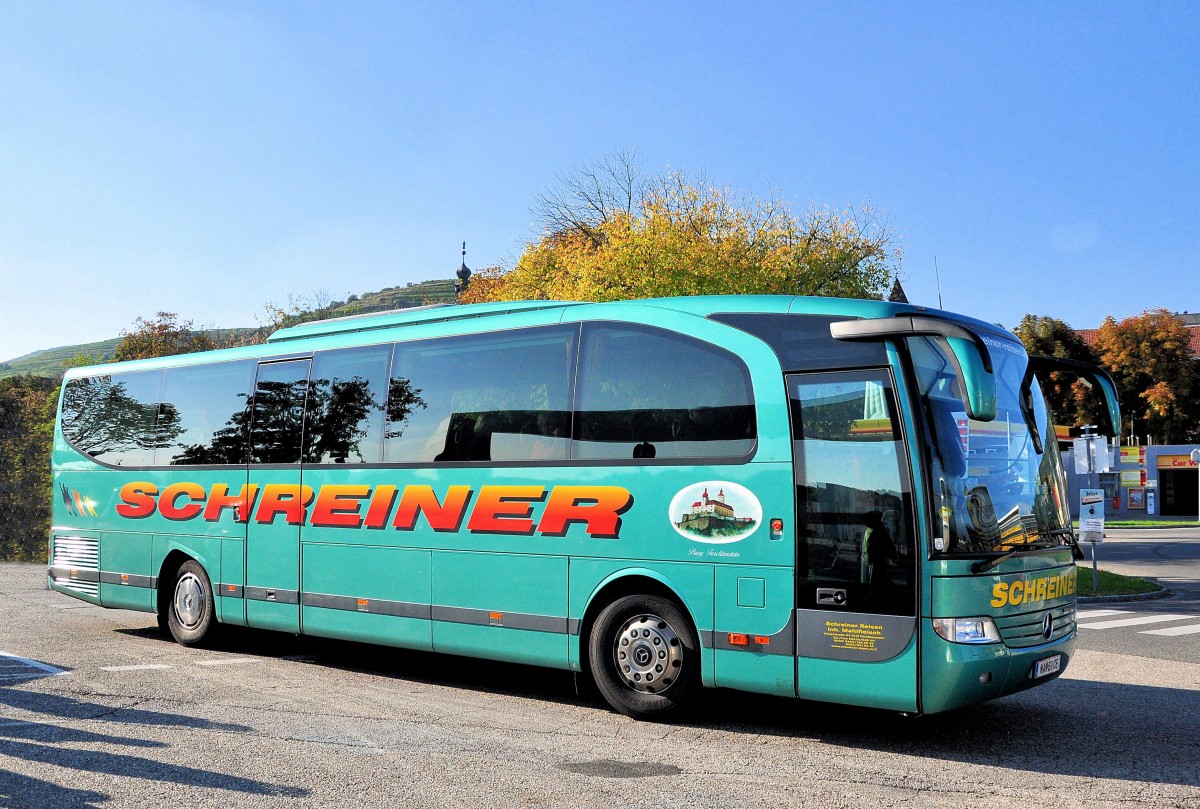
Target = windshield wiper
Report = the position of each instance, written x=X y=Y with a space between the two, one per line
x=1073 y=541
x=984 y=565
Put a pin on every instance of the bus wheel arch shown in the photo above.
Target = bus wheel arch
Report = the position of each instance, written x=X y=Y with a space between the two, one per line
x=643 y=618
x=165 y=587
x=186 y=600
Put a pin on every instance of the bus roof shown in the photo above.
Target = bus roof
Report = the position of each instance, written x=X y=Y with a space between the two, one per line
x=697 y=305
x=417 y=315
x=700 y=305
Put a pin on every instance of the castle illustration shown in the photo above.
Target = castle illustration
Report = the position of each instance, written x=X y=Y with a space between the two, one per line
x=709 y=516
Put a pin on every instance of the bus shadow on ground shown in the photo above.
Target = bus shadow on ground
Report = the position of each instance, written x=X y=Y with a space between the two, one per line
x=1133 y=733
x=40 y=742
x=1066 y=727
x=24 y=790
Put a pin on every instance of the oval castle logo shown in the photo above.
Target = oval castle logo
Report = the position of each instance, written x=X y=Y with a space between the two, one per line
x=717 y=512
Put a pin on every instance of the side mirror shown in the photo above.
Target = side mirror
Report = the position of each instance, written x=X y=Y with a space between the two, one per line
x=969 y=350
x=1093 y=374
x=975 y=367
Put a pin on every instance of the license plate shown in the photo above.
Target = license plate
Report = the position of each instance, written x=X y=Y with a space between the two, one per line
x=1050 y=665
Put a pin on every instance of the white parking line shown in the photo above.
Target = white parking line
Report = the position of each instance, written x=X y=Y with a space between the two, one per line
x=135 y=668
x=1085 y=614
x=44 y=668
x=1145 y=619
x=233 y=662
x=1172 y=631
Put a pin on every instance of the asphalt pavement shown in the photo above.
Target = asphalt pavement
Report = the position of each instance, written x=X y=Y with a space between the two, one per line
x=1169 y=556
x=97 y=709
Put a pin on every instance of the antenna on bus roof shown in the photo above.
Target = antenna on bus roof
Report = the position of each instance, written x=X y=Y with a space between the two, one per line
x=938 y=277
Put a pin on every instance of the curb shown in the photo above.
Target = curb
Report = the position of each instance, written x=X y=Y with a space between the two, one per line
x=1162 y=592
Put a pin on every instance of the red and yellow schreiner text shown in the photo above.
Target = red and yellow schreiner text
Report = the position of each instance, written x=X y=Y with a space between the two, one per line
x=505 y=509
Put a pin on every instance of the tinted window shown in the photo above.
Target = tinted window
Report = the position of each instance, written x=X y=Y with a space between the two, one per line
x=346 y=402
x=854 y=530
x=649 y=393
x=114 y=418
x=803 y=343
x=502 y=396
x=278 y=412
x=204 y=414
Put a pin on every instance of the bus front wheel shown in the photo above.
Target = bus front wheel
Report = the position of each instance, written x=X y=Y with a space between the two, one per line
x=191 y=611
x=643 y=655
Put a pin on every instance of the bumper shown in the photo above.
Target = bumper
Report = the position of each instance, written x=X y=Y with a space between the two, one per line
x=955 y=674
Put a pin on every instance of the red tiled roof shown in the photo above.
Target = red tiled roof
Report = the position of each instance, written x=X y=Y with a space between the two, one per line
x=1089 y=336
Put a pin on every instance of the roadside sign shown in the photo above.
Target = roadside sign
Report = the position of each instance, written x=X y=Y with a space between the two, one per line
x=1091 y=454
x=1091 y=515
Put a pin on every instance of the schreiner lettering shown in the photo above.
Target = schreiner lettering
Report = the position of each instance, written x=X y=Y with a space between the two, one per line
x=509 y=509
x=1024 y=591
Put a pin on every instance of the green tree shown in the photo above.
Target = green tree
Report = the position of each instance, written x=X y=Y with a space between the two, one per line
x=610 y=234
x=162 y=336
x=27 y=408
x=1071 y=402
x=1157 y=378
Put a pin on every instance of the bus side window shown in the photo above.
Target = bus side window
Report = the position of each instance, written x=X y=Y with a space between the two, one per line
x=278 y=412
x=649 y=393
x=208 y=404
x=499 y=396
x=115 y=418
x=346 y=403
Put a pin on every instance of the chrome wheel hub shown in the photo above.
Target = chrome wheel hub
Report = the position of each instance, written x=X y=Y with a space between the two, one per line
x=189 y=600
x=648 y=653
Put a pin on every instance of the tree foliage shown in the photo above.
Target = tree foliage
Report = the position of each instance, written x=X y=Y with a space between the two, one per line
x=610 y=234
x=161 y=336
x=27 y=408
x=1071 y=402
x=1157 y=378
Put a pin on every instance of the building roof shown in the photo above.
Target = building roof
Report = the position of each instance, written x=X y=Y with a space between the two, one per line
x=1191 y=321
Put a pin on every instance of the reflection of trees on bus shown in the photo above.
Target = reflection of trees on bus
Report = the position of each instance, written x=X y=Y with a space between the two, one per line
x=278 y=421
x=338 y=426
x=336 y=420
x=228 y=444
x=403 y=399
x=100 y=417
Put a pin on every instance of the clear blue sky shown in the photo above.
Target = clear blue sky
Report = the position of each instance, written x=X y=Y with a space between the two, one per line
x=206 y=157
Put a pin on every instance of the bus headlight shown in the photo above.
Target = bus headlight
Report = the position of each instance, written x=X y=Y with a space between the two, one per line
x=967 y=630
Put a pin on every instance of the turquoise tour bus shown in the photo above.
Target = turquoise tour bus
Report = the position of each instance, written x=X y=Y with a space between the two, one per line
x=839 y=500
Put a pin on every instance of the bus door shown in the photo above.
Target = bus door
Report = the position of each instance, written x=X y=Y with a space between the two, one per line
x=855 y=564
x=272 y=589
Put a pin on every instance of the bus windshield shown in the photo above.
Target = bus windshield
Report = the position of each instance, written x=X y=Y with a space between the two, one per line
x=999 y=485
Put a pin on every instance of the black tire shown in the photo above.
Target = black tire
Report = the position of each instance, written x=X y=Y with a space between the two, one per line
x=191 y=610
x=644 y=656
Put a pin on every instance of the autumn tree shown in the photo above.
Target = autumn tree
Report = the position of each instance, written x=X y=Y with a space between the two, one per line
x=1157 y=378
x=161 y=336
x=608 y=233
x=1071 y=401
x=27 y=408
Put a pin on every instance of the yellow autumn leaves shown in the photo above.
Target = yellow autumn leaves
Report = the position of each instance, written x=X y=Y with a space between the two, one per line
x=670 y=236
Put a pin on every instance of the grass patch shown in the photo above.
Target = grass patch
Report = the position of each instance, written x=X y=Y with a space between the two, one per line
x=1112 y=584
x=1150 y=524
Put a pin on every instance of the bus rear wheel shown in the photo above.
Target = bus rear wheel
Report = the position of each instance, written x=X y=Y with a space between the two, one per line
x=191 y=616
x=643 y=656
